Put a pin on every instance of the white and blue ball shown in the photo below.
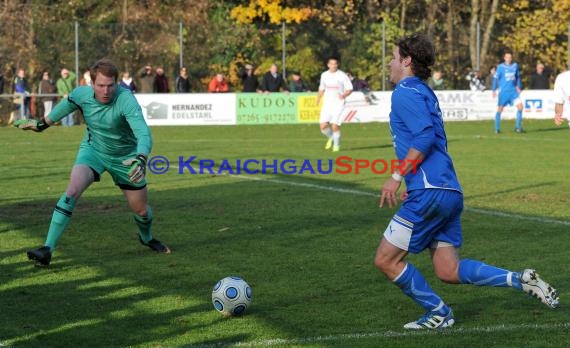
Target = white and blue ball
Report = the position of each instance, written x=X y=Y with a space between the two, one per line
x=231 y=296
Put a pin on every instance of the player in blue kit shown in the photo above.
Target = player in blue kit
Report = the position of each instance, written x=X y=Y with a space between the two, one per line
x=508 y=80
x=429 y=217
x=117 y=140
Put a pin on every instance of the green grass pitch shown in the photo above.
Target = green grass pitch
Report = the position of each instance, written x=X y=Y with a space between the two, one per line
x=305 y=243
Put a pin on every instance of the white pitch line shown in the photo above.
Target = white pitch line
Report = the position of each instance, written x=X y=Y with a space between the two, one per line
x=515 y=216
x=390 y=334
x=370 y=194
x=304 y=184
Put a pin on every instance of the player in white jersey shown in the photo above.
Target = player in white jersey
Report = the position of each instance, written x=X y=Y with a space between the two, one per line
x=334 y=87
x=562 y=97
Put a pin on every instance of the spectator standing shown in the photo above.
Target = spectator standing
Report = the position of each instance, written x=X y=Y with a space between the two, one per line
x=218 y=84
x=436 y=81
x=248 y=79
x=127 y=82
x=47 y=87
x=297 y=84
x=160 y=82
x=85 y=79
x=539 y=80
x=22 y=100
x=475 y=83
x=273 y=81
x=183 y=81
x=146 y=77
x=361 y=85
x=65 y=84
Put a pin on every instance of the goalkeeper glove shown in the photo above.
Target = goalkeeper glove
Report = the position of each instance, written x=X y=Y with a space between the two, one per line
x=31 y=124
x=137 y=168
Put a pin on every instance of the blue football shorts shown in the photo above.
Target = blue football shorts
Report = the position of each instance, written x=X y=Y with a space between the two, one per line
x=509 y=98
x=428 y=218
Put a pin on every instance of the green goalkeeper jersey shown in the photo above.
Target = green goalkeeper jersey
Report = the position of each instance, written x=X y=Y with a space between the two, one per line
x=116 y=129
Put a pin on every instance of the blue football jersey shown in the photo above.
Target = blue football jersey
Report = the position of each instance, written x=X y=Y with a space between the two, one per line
x=416 y=121
x=507 y=78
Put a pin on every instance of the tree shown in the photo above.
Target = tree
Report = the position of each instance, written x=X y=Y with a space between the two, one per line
x=223 y=35
x=482 y=12
x=271 y=11
x=539 y=34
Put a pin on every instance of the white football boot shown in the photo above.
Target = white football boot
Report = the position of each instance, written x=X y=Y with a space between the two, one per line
x=536 y=287
x=432 y=320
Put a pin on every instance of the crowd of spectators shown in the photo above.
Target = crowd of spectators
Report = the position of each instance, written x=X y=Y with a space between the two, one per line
x=48 y=91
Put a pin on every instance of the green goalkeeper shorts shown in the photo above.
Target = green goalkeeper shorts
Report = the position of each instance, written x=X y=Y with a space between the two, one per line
x=100 y=163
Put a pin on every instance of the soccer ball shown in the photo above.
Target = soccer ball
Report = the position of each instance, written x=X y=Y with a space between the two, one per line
x=231 y=296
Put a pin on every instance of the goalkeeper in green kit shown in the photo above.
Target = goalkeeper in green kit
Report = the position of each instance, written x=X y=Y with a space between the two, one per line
x=117 y=140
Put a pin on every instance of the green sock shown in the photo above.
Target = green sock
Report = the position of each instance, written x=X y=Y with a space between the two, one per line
x=59 y=220
x=144 y=223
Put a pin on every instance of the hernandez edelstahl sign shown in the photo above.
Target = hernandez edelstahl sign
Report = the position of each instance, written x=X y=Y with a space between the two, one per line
x=292 y=108
x=188 y=109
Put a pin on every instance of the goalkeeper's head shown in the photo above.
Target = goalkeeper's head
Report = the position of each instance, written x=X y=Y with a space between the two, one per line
x=104 y=75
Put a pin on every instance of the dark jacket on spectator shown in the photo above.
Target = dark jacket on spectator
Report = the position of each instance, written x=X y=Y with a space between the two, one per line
x=298 y=86
x=360 y=85
x=47 y=87
x=182 y=85
x=273 y=84
x=146 y=79
x=130 y=85
x=539 y=81
x=250 y=82
x=160 y=84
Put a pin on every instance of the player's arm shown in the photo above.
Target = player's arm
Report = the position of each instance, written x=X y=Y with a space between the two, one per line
x=518 y=81
x=408 y=165
x=62 y=109
x=495 y=83
x=558 y=108
x=141 y=131
x=33 y=124
x=320 y=96
x=558 y=101
x=348 y=88
x=320 y=90
x=417 y=120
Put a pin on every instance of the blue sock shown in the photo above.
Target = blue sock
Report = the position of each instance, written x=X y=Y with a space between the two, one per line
x=413 y=284
x=519 y=119
x=498 y=121
x=480 y=274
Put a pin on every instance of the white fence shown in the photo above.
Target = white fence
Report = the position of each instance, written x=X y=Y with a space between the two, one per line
x=291 y=108
x=253 y=108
